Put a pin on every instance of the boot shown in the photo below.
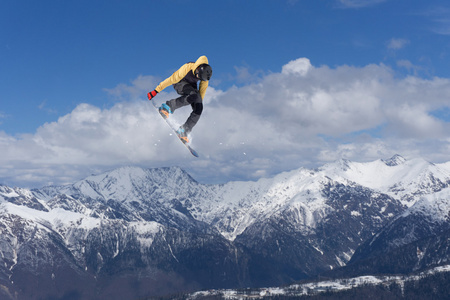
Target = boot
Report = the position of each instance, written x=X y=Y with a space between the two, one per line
x=182 y=134
x=165 y=110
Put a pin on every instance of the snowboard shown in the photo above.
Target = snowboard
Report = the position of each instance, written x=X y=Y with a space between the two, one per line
x=173 y=127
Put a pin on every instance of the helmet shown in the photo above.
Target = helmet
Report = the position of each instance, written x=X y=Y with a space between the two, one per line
x=203 y=72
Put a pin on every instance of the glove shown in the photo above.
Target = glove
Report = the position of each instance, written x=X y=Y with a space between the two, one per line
x=152 y=94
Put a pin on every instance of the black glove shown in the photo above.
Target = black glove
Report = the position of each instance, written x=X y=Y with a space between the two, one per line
x=152 y=94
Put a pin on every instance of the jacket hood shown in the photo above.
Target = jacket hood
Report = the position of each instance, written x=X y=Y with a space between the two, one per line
x=200 y=61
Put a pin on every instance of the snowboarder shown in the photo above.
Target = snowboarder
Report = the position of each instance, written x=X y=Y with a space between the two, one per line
x=184 y=81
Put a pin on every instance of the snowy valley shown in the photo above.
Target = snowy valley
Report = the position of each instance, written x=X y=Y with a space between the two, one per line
x=132 y=233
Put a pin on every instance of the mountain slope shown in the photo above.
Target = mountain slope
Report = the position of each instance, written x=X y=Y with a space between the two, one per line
x=419 y=237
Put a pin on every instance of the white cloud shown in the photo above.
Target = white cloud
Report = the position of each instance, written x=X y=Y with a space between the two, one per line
x=2 y=116
x=140 y=85
x=301 y=116
x=406 y=64
x=414 y=121
x=43 y=106
x=439 y=16
x=396 y=44
x=299 y=66
x=359 y=3
x=244 y=74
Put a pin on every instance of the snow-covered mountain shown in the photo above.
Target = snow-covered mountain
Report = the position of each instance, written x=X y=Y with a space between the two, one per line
x=405 y=180
x=418 y=237
x=133 y=232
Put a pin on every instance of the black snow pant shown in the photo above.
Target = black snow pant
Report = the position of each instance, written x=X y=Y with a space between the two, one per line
x=189 y=95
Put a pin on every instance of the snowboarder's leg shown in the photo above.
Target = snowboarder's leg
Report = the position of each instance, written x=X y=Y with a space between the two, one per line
x=186 y=128
x=187 y=92
x=197 y=108
x=189 y=95
x=184 y=89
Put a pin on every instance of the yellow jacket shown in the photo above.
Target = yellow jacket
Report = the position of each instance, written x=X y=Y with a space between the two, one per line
x=178 y=75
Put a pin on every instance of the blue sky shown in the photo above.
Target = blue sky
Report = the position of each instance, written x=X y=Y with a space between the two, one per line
x=71 y=68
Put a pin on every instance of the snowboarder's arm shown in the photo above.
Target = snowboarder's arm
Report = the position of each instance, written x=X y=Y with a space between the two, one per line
x=176 y=77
